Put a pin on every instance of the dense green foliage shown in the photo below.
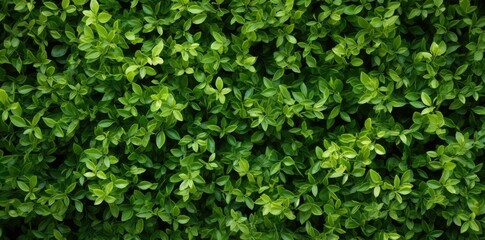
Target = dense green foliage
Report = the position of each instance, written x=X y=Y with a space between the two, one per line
x=244 y=119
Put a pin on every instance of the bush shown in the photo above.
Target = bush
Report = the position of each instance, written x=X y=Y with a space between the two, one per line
x=246 y=119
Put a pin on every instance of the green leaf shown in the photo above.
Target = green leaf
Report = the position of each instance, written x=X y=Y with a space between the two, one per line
x=370 y=83
x=221 y=181
x=474 y=225
x=426 y=99
x=18 y=121
x=379 y=149
x=195 y=9
x=460 y=70
x=284 y=92
x=137 y=89
x=178 y=115
x=433 y=184
x=377 y=191
x=58 y=235
x=310 y=61
x=51 y=6
x=183 y=219
x=351 y=223
x=479 y=110
x=219 y=83
x=101 y=175
x=172 y=134
x=78 y=205
x=199 y=18
x=94 y=153
x=288 y=161
x=434 y=48
x=3 y=97
x=103 y=123
x=92 y=55
x=144 y=185
x=319 y=152
x=251 y=27
x=353 y=9
x=356 y=62
x=104 y=17
x=121 y=183
x=291 y=39
x=94 y=6
x=157 y=49
x=33 y=181
x=59 y=50
x=23 y=186
x=17 y=64
x=126 y=215
x=335 y=112
x=244 y=165
x=160 y=139
x=375 y=177
x=65 y=4
x=269 y=92
x=90 y=165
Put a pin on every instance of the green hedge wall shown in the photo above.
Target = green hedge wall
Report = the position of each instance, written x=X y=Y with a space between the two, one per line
x=244 y=119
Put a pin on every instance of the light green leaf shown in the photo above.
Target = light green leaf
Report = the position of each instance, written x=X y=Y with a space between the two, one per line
x=183 y=219
x=426 y=99
x=23 y=186
x=219 y=83
x=90 y=165
x=375 y=177
x=121 y=183
x=94 y=6
x=65 y=4
x=94 y=153
x=160 y=139
x=137 y=89
x=370 y=83
x=158 y=48
x=3 y=97
x=199 y=18
x=379 y=149
x=144 y=185
x=291 y=39
x=92 y=55
x=195 y=9
x=356 y=62
x=18 y=121
x=311 y=61
x=178 y=115
x=51 y=6
x=104 y=17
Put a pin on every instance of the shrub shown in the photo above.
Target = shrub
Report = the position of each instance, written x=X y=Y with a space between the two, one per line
x=245 y=119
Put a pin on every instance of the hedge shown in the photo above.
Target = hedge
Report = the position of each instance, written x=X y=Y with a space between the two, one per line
x=244 y=119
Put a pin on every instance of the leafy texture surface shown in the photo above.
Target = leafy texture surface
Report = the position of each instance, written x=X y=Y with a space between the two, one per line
x=244 y=119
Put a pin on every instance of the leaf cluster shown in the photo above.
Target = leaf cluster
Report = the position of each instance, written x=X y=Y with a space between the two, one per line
x=244 y=119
